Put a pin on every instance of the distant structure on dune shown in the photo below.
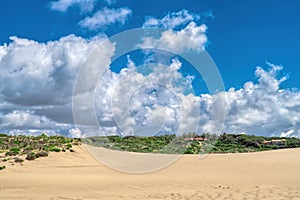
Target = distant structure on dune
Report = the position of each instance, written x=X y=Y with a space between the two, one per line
x=281 y=142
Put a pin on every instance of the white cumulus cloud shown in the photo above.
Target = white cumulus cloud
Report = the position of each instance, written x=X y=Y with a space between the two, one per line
x=106 y=17
x=25 y=119
x=36 y=80
x=183 y=32
x=147 y=104
x=261 y=108
x=75 y=133
x=64 y=5
x=172 y=19
x=191 y=37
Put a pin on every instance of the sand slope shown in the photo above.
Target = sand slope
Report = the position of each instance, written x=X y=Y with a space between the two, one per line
x=263 y=175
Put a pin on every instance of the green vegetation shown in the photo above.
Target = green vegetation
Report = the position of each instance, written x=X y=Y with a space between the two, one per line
x=69 y=146
x=15 y=149
x=229 y=143
x=155 y=144
x=189 y=144
x=55 y=149
x=31 y=148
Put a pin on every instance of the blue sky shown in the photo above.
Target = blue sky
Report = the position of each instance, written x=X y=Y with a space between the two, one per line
x=242 y=34
x=253 y=43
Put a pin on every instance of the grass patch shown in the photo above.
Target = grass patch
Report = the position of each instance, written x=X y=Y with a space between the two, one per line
x=15 y=150
x=69 y=146
x=54 y=149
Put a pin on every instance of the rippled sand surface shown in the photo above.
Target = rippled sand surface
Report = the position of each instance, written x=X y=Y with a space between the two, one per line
x=264 y=175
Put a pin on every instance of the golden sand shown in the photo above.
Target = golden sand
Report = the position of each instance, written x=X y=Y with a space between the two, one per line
x=263 y=175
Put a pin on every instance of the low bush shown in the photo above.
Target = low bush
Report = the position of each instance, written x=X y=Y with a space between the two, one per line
x=19 y=160
x=69 y=146
x=15 y=150
x=55 y=149
x=10 y=153
x=30 y=156
x=41 y=154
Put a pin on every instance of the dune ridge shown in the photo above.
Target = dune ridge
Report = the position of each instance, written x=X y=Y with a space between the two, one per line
x=260 y=175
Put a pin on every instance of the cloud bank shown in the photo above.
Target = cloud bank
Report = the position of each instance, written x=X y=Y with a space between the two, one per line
x=261 y=108
x=147 y=104
x=36 y=80
x=36 y=84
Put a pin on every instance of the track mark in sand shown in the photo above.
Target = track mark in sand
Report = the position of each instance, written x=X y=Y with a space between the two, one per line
x=289 y=195
x=74 y=166
x=231 y=193
x=196 y=194
x=176 y=196
x=63 y=198
x=214 y=197
x=230 y=196
x=157 y=196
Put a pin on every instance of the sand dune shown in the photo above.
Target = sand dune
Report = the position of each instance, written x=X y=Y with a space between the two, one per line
x=63 y=176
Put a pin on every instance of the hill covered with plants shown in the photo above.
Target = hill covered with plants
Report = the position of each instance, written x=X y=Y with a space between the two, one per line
x=15 y=149
x=194 y=144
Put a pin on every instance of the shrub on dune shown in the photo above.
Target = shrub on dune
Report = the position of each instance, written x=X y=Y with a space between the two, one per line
x=18 y=160
x=55 y=149
x=41 y=154
x=31 y=156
